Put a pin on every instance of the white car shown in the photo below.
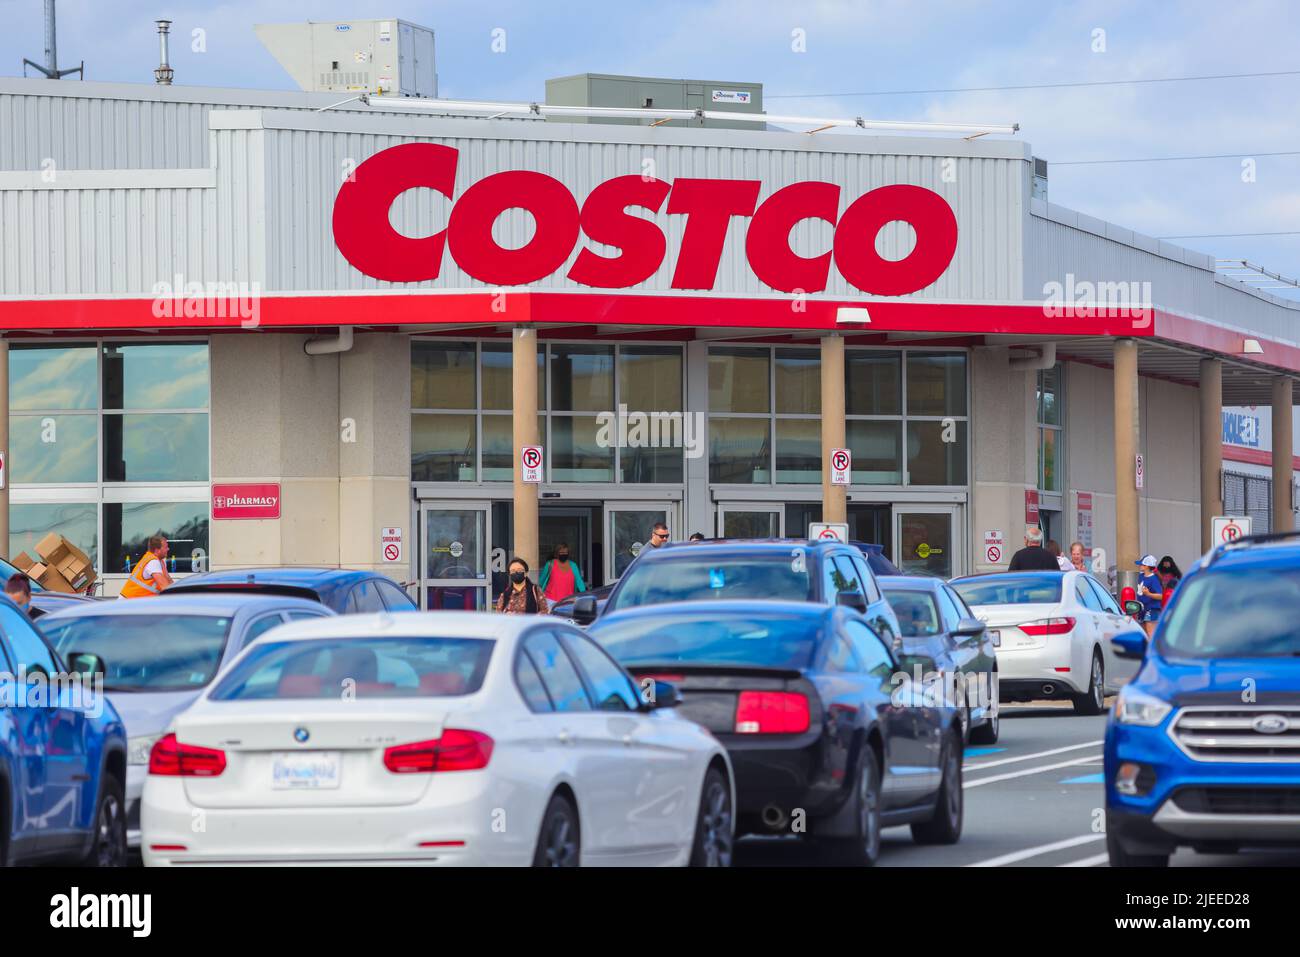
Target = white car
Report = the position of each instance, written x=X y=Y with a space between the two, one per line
x=435 y=738
x=1052 y=632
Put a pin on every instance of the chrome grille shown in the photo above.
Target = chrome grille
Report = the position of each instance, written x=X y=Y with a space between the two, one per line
x=1249 y=733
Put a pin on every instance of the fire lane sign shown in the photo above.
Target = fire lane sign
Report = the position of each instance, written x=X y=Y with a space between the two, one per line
x=390 y=544
x=841 y=466
x=530 y=464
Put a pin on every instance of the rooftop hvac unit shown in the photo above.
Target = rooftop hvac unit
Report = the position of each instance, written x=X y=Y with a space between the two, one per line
x=384 y=57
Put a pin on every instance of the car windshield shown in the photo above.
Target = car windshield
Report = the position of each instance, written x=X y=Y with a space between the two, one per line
x=8 y=570
x=1244 y=613
x=917 y=613
x=1010 y=590
x=777 y=575
x=767 y=641
x=146 y=652
x=358 y=667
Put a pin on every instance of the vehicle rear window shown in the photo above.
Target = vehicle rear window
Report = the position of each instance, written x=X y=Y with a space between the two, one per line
x=693 y=577
x=146 y=652
x=1011 y=590
x=769 y=641
x=916 y=611
x=1244 y=613
x=358 y=668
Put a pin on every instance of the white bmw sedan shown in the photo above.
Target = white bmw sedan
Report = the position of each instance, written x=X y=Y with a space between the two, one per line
x=435 y=738
x=1052 y=633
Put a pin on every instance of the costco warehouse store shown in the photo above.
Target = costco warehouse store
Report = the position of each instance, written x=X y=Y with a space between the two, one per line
x=285 y=334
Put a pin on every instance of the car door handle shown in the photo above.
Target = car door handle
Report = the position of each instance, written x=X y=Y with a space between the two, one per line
x=627 y=740
x=565 y=737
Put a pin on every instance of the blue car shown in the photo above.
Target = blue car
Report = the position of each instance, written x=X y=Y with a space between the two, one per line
x=62 y=757
x=1203 y=747
x=342 y=590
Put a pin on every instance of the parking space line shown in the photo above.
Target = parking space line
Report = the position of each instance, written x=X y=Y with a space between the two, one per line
x=1028 y=771
x=1036 y=851
x=1098 y=778
x=1030 y=757
x=1088 y=861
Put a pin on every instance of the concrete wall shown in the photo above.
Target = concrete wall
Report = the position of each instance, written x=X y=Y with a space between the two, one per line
x=278 y=416
x=1005 y=446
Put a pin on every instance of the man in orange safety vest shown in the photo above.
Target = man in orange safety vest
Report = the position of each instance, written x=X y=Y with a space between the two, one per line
x=150 y=574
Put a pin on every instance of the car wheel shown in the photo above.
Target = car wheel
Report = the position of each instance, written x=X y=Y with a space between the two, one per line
x=945 y=826
x=108 y=848
x=558 y=844
x=1094 y=702
x=987 y=733
x=714 y=825
x=1119 y=857
x=862 y=847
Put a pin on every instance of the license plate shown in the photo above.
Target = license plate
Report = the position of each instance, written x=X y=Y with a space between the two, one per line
x=996 y=636
x=305 y=770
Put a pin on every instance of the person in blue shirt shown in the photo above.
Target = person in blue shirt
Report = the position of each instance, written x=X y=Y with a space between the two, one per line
x=1149 y=592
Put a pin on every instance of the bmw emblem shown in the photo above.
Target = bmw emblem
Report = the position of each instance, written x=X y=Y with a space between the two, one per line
x=301 y=735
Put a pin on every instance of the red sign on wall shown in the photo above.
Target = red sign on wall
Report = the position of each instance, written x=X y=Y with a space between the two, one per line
x=259 y=500
x=1031 y=506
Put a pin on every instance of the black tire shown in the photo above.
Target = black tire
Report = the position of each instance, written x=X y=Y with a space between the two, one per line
x=988 y=732
x=1094 y=701
x=945 y=826
x=1119 y=857
x=108 y=846
x=861 y=848
x=559 y=842
x=715 y=824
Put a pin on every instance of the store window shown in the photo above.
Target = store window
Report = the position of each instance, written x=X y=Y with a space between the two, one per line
x=764 y=415
x=1050 y=430
x=109 y=445
x=907 y=419
x=462 y=421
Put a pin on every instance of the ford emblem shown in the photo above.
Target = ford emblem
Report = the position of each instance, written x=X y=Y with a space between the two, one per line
x=1272 y=724
x=301 y=735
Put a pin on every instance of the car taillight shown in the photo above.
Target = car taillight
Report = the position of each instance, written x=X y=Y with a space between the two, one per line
x=771 y=712
x=1049 y=626
x=173 y=758
x=456 y=750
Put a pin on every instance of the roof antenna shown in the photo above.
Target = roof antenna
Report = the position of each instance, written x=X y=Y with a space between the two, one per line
x=163 y=75
x=51 y=68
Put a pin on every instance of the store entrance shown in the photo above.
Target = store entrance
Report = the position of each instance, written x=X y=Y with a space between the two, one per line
x=579 y=527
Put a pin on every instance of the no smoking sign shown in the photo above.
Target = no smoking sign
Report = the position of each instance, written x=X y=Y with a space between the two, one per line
x=390 y=543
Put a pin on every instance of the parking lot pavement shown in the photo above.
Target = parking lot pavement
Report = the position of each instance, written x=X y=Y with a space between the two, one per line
x=1034 y=799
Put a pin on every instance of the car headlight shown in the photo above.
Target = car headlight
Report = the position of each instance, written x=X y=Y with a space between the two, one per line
x=137 y=749
x=1134 y=707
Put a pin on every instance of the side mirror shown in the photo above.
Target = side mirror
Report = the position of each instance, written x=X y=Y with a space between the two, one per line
x=85 y=663
x=1131 y=645
x=968 y=628
x=852 y=599
x=1133 y=608
x=584 y=610
x=659 y=694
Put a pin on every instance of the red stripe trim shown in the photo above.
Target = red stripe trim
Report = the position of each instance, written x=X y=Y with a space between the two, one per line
x=1235 y=453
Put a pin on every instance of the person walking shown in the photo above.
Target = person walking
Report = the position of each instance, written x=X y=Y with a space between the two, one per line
x=1062 y=562
x=1033 y=557
x=1149 y=592
x=1170 y=575
x=521 y=596
x=150 y=574
x=560 y=577
x=659 y=535
x=18 y=589
x=1076 y=557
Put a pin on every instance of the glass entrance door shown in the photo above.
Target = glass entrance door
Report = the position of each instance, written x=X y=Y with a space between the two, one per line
x=630 y=527
x=454 y=555
x=928 y=540
x=750 y=521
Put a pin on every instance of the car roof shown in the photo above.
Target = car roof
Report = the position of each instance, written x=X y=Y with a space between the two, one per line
x=415 y=624
x=910 y=582
x=215 y=604
x=735 y=545
x=300 y=576
x=1255 y=552
x=722 y=607
x=1034 y=573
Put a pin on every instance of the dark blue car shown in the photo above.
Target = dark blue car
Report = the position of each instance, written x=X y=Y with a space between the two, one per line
x=1203 y=747
x=62 y=756
x=342 y=590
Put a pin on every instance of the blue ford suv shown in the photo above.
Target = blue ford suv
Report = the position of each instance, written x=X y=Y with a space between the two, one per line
x=1203 y=747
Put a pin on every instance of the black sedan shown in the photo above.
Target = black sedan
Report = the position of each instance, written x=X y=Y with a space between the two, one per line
x=943 y=638
x=827 y=737
x=342 y=590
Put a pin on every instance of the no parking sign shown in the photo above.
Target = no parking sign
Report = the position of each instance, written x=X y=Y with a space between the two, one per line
x=530 y=463
x=841 y=463
x=1229 y=528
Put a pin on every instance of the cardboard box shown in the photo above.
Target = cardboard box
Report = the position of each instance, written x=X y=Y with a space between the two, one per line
x=68 y=567
x=51 y=579
x=23 y=562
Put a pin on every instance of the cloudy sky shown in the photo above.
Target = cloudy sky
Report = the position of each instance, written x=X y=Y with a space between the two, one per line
x=849 y=49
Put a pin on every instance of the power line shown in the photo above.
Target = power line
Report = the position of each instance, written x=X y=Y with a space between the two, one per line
x=1174 y=159
x=1038 y=86
x=1293 y=232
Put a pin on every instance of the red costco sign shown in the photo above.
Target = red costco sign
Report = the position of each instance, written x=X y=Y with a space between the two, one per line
x=367 y=239
x=246 y=501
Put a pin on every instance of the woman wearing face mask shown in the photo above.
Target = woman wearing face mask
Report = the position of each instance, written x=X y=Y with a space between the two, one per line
x=521 y=596
x=560 y=577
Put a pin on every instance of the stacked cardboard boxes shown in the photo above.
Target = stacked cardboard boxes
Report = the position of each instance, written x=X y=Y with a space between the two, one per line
x=63 y=566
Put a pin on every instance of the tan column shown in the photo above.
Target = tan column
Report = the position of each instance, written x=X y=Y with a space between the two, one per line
x=525 y=433
x=1126 y=448
x=1283 y=397
x=1211 y=448
x=4 y=444
x=834 y=497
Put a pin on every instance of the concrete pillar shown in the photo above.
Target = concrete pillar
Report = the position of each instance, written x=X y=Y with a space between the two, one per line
x=525 y=433
x=1211 y=448
x=1126 y=449
x=1283 y=397
x=834 y=497
x=4 y=443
